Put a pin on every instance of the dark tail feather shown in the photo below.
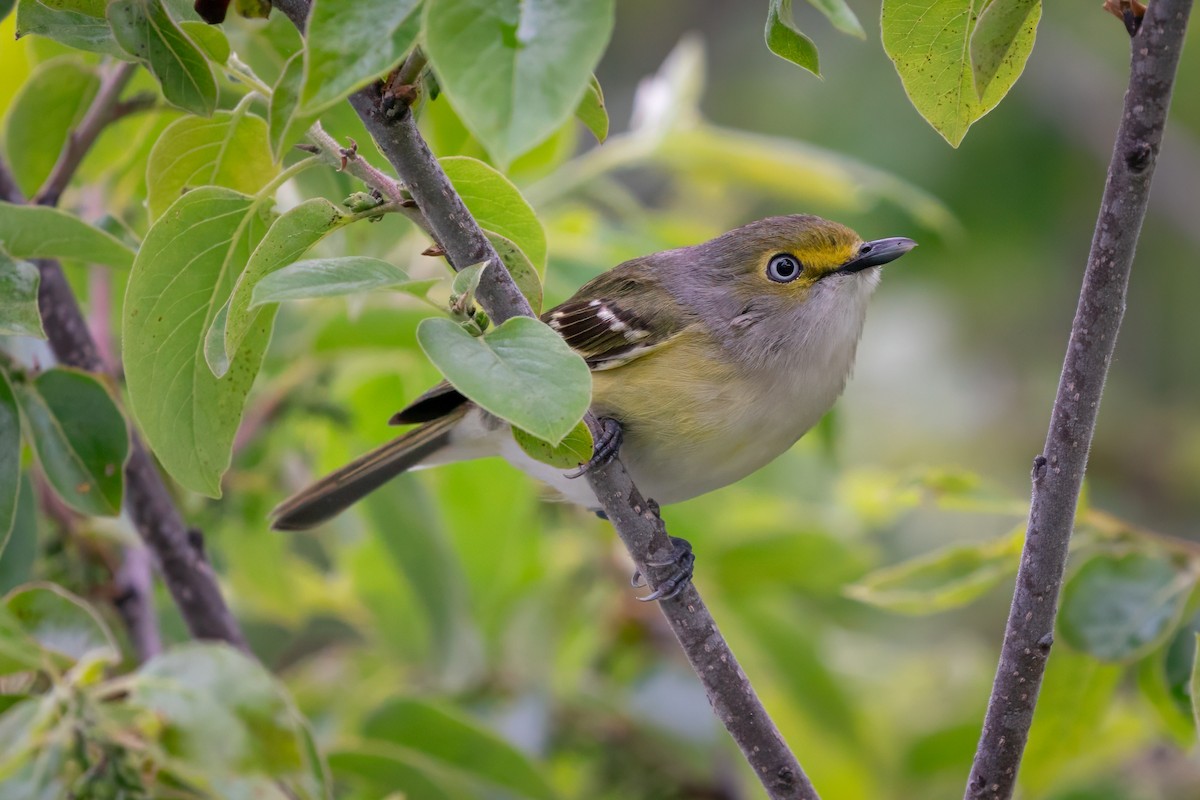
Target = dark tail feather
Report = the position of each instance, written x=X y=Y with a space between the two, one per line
x=339 y=490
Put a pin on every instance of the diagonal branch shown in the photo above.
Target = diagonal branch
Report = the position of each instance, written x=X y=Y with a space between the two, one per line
x=100 y=113
x=1058 y=471
x=185 y=570
x=636 y=521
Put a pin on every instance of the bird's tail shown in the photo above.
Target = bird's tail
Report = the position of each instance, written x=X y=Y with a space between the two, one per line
x=342 y=488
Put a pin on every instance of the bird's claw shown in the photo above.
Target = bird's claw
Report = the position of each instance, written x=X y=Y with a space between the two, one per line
x=605 y=448
x=682 y=560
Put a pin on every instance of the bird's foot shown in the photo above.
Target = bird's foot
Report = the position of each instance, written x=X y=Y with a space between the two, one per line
x=682 y=562
x=607 y=445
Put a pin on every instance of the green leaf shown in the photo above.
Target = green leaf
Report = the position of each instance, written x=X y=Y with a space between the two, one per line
x=1068 y=724
x=574 y=450
x=19 y=315
x=209 y=38
x=351 y=44
x=145 y=30
x=64 y=626
x=10 y=459
x=80 y=438
x=286 y=125
x=386 y=769
x=92 y=8
x=288 y=238
x=19 y=652
x=840 y=15
x=521 y=371
x=48 y=106
x=928 y=41
x=183 y=276
x=228 y=149
x=41 y=232
x=785 y=40
x=69 y=27
x=523 y=273
x=592 y=112
x=457 y=743
x=515 y=70
x=19 y=552
x=497 y=205
x=326 y=277
x=221 y=712
x=996 y=36
x=1118 y=608
x=947 y=578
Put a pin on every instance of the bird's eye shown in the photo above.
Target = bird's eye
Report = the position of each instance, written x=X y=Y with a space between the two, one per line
x=783 y=268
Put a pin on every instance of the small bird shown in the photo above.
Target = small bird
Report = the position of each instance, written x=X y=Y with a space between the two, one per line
x=711 y=360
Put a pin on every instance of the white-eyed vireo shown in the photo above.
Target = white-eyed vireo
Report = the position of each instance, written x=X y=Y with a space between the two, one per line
x=714 y=359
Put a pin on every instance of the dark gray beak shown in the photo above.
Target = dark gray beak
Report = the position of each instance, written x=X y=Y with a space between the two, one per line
x=880 y=251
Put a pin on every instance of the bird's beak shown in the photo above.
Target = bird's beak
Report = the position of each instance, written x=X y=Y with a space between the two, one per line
x=880 y=251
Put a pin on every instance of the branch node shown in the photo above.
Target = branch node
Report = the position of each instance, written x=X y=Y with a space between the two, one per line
x=1039 y=467
x=1138 y=157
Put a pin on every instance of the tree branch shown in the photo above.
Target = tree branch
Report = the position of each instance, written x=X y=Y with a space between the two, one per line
x=100 y=113
x=135 y=601
x=1058 y=471
x=187 y=573
x=636 y=521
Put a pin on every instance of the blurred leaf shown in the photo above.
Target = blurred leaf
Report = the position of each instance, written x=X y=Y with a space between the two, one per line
x=221 y=712
x=6 y=7
x=22 y=729
x=796 y=171
x=769 y=561
x=497 y=206
x=1194 y=683
x=591 y=111
x=183 y=275
x=928 y=41
x=796 y=658
x=80 y=438
x=351 y=44
x=997 y=38
x=92 y=8
x=387 y=769
x=47 y=107
x=327 y=277
x=785 y=40
x=289 y=237
x=573 y=451
x=65 y=627
x=457 y=743
x=1069 y=721
x=42 y=232
x=19 y=315
x=19 y=652
x=523 y=273
x=521 y=371
x=1117 y=608
x=81 y=31
x=944 y=750
x=146 y=31
x=286 y=126
x=416 y=544
x=841 y=16
x=515 y=70
x=229 y=149
x=209 y=38
x=10 y=459
x=17 y=557
x=1152 y=683
x=945 y=579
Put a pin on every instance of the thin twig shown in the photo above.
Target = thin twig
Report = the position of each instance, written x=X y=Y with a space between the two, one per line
x=134 y=600
x=1058 y=471
x=99 y=114
x=637 y=522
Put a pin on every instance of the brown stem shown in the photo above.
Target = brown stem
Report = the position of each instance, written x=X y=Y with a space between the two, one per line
x=639 y=526
x=80 y=140
x=1058 y=471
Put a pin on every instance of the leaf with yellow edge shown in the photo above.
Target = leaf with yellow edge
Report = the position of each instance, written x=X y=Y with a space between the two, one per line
x=575 y=448
x=929 y=43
